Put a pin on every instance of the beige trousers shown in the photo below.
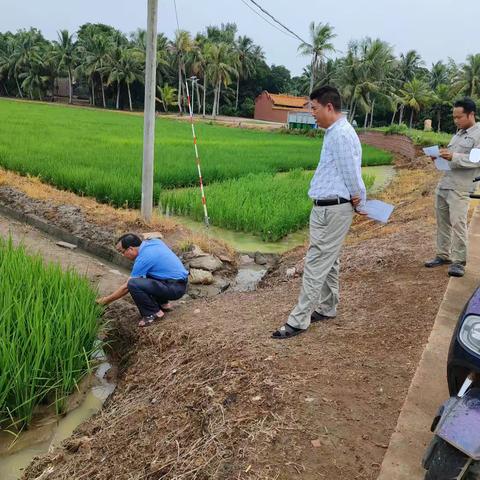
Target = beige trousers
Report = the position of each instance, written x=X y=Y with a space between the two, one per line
x=320 y=289
x=451 y=209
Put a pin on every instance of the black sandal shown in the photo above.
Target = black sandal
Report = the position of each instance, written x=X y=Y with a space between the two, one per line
x=318 y=317
x=286 y=331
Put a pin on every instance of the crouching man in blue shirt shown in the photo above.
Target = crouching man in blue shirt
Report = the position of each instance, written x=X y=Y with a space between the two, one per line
x=158 y=276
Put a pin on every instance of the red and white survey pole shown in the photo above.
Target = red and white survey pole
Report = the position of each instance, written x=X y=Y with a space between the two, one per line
x=197 y=157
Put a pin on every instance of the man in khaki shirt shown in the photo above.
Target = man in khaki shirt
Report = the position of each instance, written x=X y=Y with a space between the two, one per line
x=452 y=194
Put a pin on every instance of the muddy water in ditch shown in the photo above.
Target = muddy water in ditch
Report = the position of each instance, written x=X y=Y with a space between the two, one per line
x=245 y=242
x=49 y=431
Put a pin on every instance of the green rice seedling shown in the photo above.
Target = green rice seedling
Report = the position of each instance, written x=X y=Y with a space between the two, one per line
x=99 y=153
x=48 y=328
x=267 y=205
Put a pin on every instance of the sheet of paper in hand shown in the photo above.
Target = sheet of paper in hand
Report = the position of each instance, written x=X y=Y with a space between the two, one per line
x=440 y=163
x=475 y=155
x=378 y=211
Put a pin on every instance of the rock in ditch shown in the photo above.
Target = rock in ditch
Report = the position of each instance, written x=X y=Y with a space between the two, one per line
x=207 y=262
x=200 y=277
x=260 y=258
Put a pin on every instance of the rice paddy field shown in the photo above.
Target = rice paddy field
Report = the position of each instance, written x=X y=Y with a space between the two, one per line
x=48 y=330
x=99 y=154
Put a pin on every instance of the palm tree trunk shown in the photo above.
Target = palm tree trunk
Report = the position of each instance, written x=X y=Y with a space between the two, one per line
x=70 y=87
x=129 y=97
x=103 y=92
x=394 y=115
x=214 y=109
x=238 y=88
x=18 y=86
x=350 y=107
x=400 y=118
x=366 y=120
x=371 y=114
x=219 y=96
x=312 y=74
x=353 y=111
x=439 y=118
x=180 y=88
x=93 y=91
x=118 y=95
x=204 y=95
x=411 y=118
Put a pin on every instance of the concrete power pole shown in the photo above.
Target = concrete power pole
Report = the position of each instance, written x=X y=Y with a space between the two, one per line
x=149 y=111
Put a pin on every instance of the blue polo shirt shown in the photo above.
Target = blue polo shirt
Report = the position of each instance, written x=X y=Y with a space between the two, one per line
x=156 y=260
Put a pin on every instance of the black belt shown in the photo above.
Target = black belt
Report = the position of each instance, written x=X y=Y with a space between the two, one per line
x=330 y=201
x=183 y=282
x=168 y=280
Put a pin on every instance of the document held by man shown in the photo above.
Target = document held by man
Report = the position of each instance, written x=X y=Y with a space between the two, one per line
x=440 y=162
x=378 y=211
x=475 y=155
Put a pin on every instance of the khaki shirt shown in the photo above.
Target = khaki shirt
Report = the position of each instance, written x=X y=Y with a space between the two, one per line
x=463 y=171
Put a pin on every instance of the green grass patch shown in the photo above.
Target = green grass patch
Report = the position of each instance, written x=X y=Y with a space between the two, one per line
x=267 y=205
x=48 y=328
x=419 y=137
x=99 y=153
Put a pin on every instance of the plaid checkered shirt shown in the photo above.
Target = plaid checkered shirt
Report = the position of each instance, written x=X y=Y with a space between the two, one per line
x=339 y=172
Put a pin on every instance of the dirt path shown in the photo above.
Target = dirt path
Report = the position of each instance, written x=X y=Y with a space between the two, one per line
x=208 y=394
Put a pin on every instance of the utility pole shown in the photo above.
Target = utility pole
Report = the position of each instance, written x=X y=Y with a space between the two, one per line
x=149 y=112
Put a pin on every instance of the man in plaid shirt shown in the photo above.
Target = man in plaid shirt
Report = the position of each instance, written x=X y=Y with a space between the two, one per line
x=337 y=190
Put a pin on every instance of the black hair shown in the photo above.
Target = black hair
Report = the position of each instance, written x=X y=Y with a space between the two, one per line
x=467 y=104
x=325 y=95
x=129 y=240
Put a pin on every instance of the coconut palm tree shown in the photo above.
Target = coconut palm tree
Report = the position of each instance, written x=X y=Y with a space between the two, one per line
x=94 y=48
x=180 y=47
x=65 y=56
x=469 y=77
x=321 y=36
x=415 y=95
x=124 y=65
x=220 y=70
x=409 y=65
x=167 y=96
x=245 y=50
x=438 y=75
x=442 y=97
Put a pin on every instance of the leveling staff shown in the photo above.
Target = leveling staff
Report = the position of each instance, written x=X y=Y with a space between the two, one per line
x=158 y=276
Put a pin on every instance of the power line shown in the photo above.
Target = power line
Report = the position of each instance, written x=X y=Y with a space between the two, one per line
x=278 y=22
x=266 y=20
x=176 y=13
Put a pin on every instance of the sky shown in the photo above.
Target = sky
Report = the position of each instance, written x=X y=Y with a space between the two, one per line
x=427 y=26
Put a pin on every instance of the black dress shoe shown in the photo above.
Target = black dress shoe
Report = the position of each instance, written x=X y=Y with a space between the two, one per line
x=318 y=317
x=437 y=262
x=456 y=270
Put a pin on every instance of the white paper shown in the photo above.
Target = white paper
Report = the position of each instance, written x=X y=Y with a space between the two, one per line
x=377 y=210
x=440 y=163
x=475 y=155
x=432 y=151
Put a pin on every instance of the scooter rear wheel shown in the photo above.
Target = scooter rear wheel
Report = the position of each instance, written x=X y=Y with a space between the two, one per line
x=447 y=463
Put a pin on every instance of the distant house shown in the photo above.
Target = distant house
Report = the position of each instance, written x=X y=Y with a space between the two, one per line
x=275 y=108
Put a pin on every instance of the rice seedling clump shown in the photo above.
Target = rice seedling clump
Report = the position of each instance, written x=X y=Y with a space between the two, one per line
x=48 y=331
